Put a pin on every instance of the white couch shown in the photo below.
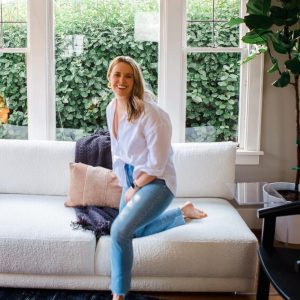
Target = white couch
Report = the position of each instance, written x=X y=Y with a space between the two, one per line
x=38 y=247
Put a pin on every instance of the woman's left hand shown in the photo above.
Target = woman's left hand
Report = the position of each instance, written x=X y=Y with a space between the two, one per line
x=129 y=194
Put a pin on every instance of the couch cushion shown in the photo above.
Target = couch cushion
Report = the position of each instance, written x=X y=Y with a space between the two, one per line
x=205 y=169
x=36 y=237
x=220 y=245
x=35 y=167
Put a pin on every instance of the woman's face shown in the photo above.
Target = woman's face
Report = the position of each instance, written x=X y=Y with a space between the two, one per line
x=121 y=80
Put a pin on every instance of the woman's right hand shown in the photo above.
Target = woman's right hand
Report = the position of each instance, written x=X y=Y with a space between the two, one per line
x=129 y=194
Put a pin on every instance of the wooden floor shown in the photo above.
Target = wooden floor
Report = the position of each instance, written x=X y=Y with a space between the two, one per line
x=210 y=296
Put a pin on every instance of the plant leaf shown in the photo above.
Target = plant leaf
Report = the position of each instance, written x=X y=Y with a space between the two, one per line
x=293 y=65
x=235 y=21
x=258 y=7
x=274 y=68
x=258 y=22
x=257 y=36
x=279 y=44
x=283 y=81
x=249 y=57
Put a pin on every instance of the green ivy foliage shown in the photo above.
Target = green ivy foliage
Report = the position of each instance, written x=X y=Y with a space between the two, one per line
x=81 y=85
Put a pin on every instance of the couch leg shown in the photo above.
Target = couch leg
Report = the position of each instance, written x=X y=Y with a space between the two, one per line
x=263 y=286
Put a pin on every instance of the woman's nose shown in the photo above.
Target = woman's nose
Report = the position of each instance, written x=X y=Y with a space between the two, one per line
x=122 y=79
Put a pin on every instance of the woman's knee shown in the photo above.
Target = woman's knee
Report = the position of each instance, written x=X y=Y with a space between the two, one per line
x=119 y=232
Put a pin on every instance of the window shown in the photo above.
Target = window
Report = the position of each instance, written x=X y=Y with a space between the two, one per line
x=213 y=71
x=13 y=91
x=88 y=35
x=205 y=90
x=72 y=41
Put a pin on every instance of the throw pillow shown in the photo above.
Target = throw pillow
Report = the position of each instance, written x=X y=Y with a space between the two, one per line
x=93 y=186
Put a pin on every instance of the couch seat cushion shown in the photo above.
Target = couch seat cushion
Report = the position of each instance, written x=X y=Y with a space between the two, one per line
x=220 y=245
x=36 y=237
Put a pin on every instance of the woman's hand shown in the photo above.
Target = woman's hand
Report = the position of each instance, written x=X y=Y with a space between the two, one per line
x=129 y=194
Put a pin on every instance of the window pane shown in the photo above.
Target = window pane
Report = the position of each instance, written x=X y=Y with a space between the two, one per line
x=225 y=35
x=89 y=34
x=200 y=34
x=13 y=96
x=212 y=97
x=13 y=24
x=226 y=9
x=207 y=23
x=200 y=10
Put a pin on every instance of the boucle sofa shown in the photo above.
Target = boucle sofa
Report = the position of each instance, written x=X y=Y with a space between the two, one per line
x=39 y=248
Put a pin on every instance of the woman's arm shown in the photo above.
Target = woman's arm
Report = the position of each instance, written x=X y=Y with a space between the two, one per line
x=141 y=180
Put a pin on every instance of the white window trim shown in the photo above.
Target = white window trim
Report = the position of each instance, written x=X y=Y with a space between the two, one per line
x=40 y=71
x=173 y=74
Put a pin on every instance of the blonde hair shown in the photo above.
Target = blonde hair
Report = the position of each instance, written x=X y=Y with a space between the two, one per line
x=135 y=106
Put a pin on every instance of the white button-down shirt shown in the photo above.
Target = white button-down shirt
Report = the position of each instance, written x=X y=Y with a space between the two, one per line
x=144 y=143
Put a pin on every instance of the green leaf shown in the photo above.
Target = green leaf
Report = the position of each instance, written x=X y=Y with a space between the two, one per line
x=253 y=38
x=283 y=16
x=258 y=22
x=235 y=21
x=274 y=67
x=279 y=45
x=283 y=81
x=249 y=57
x=257 y=36
x=293 y=65
x=258 y=7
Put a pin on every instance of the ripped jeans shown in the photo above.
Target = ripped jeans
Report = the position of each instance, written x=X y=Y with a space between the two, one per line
x=143 y=215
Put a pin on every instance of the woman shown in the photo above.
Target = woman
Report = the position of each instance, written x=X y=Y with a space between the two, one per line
x=142 y=160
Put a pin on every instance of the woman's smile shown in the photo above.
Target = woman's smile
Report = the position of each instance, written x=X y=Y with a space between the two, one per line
x=121 y=80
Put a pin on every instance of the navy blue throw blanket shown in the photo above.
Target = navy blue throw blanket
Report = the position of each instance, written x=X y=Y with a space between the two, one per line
x=96 y=219
x=95 y=150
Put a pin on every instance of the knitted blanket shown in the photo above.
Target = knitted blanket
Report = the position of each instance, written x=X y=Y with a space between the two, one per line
x=96 y=219
x=95 y=150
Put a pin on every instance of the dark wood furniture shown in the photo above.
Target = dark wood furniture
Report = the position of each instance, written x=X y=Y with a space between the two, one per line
x=277 y=265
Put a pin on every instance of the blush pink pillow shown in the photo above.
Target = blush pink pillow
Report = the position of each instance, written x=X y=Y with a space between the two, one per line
x=93 y=186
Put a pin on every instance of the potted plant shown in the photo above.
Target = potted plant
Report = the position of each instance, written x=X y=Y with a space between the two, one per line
x=275 y=30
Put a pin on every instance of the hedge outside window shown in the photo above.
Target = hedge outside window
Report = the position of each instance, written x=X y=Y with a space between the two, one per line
x=13 y=90
x=88 y=35
x=213 y=79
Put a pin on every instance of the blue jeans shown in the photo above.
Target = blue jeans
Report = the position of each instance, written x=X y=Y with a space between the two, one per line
x=143 y=215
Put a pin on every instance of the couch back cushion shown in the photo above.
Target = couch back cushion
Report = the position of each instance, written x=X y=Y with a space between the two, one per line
x=42 y=167
x=35 y=167
x=205 y=169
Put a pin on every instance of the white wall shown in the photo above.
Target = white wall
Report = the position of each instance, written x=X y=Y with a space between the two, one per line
x=278 y=135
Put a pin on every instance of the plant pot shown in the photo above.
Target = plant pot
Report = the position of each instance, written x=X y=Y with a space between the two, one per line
x=287 y=228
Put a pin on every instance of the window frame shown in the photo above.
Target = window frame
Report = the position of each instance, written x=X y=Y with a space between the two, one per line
x=172 y=74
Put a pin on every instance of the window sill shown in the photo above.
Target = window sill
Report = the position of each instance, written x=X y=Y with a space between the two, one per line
x=246 y=157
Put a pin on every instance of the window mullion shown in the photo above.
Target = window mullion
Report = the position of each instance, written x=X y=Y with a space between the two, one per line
x=171 y=65
x=13 y=50
x=40 y=70
x=213 y=50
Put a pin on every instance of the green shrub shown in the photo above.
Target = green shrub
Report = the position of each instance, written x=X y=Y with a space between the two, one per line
x=81 y=85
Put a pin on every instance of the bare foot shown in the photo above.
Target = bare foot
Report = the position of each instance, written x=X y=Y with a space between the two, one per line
x=190 y=211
